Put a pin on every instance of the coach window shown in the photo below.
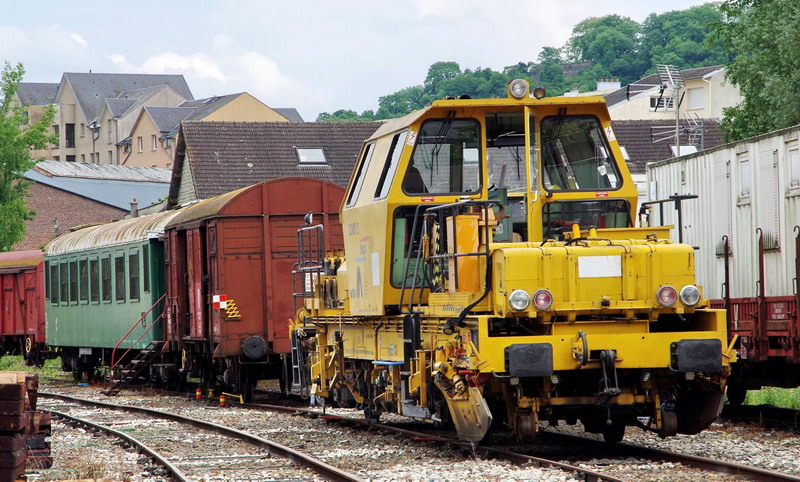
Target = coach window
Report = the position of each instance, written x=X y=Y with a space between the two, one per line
x=94 y=280
x=119 y=278
x=54 y=283
x=105 y=268
x=146 y=267
x=73 y=281
x=47 y=280
x=133 y=275
x=83 y=272
x=63 y=279
x=390 y=167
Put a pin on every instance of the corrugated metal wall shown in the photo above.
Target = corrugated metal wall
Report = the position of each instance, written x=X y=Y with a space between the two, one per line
x=742 y=186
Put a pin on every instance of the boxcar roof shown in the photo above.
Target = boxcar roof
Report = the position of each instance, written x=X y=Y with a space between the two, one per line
x=111 y=234
x=20 y=259
x=213 y=207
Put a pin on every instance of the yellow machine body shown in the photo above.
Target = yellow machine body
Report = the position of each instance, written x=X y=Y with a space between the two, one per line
x=458 y=215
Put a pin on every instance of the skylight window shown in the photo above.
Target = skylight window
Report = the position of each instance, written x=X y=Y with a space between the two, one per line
x=311 y=156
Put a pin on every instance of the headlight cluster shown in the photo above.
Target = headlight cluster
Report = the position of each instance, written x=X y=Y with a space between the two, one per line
x=667 y=296
x=519 y=300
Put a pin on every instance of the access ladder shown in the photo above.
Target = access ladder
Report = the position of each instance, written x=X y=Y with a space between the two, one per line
x=130 y=373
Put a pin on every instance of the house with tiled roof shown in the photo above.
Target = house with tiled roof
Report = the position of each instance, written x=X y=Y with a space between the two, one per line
x=89 y=127
x=65 y=194
x=704 y=94
x=152 y=136
x=35 y=96
x=213 y=158
x=646 y=141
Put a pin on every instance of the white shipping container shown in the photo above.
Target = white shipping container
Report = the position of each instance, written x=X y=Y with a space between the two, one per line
x=743 y=186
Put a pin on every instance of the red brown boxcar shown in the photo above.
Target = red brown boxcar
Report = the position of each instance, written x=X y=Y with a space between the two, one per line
x=22 y=314
x=229 y=278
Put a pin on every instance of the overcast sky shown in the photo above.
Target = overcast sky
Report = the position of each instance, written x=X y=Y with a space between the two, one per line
x=314 y=55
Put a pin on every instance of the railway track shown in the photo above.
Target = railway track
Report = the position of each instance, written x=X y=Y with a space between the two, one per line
x=764 y=415
x=590 y=446
x=474 y=454
x=230 y=453
x=561 y=447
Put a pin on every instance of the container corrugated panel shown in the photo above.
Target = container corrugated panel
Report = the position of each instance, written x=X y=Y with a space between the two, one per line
x=111 y=234
x=743 y=187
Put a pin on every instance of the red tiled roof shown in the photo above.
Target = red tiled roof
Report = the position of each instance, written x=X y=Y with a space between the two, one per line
x=636 y=136
x=224 y=156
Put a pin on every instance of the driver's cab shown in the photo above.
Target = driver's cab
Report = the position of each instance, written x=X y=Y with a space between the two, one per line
x=548 y=162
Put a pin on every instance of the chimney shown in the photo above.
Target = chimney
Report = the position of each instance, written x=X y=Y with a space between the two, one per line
x=134 y=209
x=608 y=84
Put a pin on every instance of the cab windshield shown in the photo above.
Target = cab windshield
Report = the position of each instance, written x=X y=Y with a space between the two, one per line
x=576 y=156
x=505 y=151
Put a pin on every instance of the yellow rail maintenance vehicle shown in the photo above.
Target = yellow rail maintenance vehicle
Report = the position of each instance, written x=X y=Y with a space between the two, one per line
x=492 y=276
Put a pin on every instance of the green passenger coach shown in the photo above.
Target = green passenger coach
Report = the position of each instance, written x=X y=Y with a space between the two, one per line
x=100 y=281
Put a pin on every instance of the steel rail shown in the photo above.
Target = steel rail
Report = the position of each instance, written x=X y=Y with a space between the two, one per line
x=704 y=463
x=764 y=415
x=517 y=458
x=323 y=469
x=175 y=472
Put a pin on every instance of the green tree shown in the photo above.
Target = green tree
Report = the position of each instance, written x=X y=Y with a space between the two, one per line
x=763 y=38
x=438 y=76
x=17 y=138
x=401 y=102
x=610 y=42
x=681 y=38
x=346 y=115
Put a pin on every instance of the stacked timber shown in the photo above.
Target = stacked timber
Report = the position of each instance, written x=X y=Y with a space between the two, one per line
x=23 y=429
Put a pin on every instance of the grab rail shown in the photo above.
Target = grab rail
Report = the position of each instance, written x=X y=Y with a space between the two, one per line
x=114 y=351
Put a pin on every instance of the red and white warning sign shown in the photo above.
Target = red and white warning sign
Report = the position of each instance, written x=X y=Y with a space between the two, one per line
x=219 y=302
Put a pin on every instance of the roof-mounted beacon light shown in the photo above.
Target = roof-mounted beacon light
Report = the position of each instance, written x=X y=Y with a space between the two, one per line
x=518 y=88
x=539 y=92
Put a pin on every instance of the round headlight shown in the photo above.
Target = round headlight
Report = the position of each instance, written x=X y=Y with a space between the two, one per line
x=690 y=295
x=519 y=300
x=518 y=88
x=667 y=296
x=542 y=299
x=539 y=92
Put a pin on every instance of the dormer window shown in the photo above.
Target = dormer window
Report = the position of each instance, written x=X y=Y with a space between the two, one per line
x=661 y=102
x=310 y=156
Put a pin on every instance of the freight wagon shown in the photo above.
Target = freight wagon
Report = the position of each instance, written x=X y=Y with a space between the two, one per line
x=22 y=309
x=744 y=226
x=229 y=290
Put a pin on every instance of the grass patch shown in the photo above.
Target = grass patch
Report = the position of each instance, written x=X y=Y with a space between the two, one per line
x=780 y=397
x=51 y=368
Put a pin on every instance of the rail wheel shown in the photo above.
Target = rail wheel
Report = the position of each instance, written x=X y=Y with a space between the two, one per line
x=247 y=383
x=614 y=433
x=525 y=427
x=736 y=394
x=372 y=413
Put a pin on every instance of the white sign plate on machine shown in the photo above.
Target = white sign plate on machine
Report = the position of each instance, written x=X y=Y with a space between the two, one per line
x=599 y=266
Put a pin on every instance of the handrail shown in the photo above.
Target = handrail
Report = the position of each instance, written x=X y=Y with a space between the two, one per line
x=114 y=351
